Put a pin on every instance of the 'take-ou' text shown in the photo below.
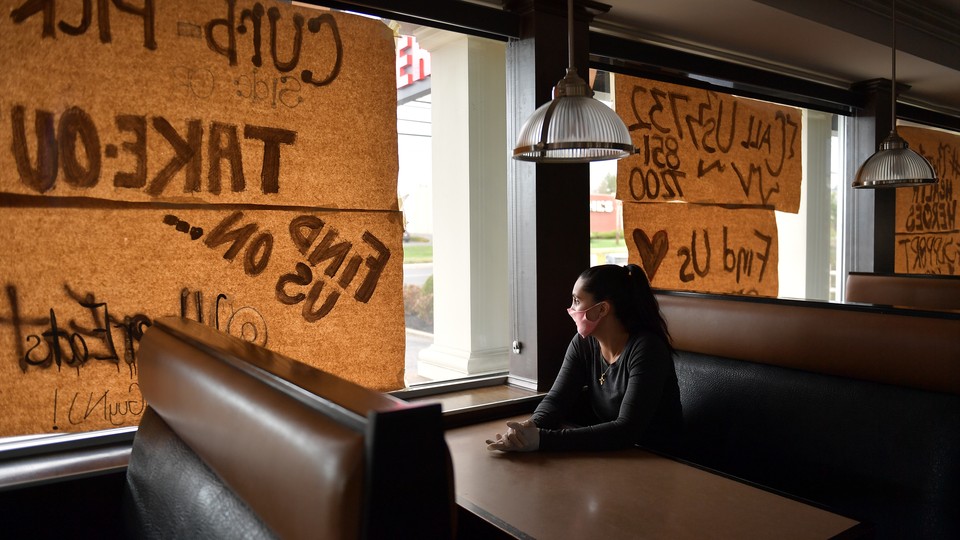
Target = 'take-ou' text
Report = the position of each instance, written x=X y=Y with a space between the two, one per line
x=69 y=148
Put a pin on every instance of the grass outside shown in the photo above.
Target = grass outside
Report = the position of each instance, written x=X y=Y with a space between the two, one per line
x=607 y=243
x=417 y=253
x=599 y=247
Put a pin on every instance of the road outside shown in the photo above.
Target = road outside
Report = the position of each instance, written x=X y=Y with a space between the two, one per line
x=416 y=273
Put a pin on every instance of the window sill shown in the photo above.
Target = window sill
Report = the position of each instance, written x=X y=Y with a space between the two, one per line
x=475 y=403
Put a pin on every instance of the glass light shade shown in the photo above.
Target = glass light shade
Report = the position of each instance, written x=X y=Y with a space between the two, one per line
x=573 y=128
x=894 y=165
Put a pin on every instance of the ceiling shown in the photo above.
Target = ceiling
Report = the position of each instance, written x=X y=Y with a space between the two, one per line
x=835 y=42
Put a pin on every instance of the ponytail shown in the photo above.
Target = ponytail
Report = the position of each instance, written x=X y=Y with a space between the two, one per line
x=648 y=307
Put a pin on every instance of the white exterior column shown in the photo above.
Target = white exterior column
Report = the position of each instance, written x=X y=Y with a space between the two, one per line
x=804 y=238
x=471 y=309
x=817 y=164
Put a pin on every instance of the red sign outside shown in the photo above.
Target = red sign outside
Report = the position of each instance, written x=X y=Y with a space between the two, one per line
x=413 y=63
x=604 y=213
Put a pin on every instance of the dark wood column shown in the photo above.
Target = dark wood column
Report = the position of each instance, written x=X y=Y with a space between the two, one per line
x=549 y=223
x=874 y=210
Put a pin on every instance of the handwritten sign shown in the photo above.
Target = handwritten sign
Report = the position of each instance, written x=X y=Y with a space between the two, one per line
x=229 y=161
x=702 y=146
x=704 y=248
x=216 y=101
x=73 y=309
x=927 y=234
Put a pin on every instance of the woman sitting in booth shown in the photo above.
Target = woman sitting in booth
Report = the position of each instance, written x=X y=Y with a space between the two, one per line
x=617 y=386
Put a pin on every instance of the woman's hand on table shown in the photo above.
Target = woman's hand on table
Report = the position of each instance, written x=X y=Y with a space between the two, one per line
x=520 y=437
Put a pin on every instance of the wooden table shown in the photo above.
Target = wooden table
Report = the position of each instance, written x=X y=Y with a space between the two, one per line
x=624 y=494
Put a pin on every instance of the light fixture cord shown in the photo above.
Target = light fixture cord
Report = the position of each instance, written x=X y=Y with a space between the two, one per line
x=570 y=34
x=893 y=63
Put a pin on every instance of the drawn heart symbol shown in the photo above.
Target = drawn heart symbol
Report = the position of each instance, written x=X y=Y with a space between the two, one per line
x=651 y=253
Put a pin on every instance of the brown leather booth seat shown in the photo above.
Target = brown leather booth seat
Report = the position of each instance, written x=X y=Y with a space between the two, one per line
x=239 y=442
x=853 y=408
x=906 y=290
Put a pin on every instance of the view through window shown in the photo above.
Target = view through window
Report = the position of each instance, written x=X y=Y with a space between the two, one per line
x=809 y=241
x=451 y=121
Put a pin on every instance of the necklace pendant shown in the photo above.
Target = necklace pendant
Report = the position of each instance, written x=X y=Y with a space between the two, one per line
x=603 y=378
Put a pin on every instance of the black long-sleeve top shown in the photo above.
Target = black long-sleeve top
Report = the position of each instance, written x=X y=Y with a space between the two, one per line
x=639 y=401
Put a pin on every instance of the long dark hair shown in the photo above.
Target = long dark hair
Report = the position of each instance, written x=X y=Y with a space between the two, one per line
x=627 y=288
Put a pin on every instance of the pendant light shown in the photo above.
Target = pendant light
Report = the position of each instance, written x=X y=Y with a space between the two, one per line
x=573 y=127
x=895 y=164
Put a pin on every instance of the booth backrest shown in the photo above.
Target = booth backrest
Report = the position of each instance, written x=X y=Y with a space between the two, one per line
x=854 y=409
x=907 y=290
x=892 y=346
x=241 y=442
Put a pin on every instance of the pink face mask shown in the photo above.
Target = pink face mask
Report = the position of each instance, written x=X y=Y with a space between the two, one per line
x=585 y=326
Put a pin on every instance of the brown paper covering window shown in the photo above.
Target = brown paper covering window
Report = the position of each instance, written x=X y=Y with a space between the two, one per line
x=704 y=248
x=230 y=162
x=702 y=146
x=927 y=235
